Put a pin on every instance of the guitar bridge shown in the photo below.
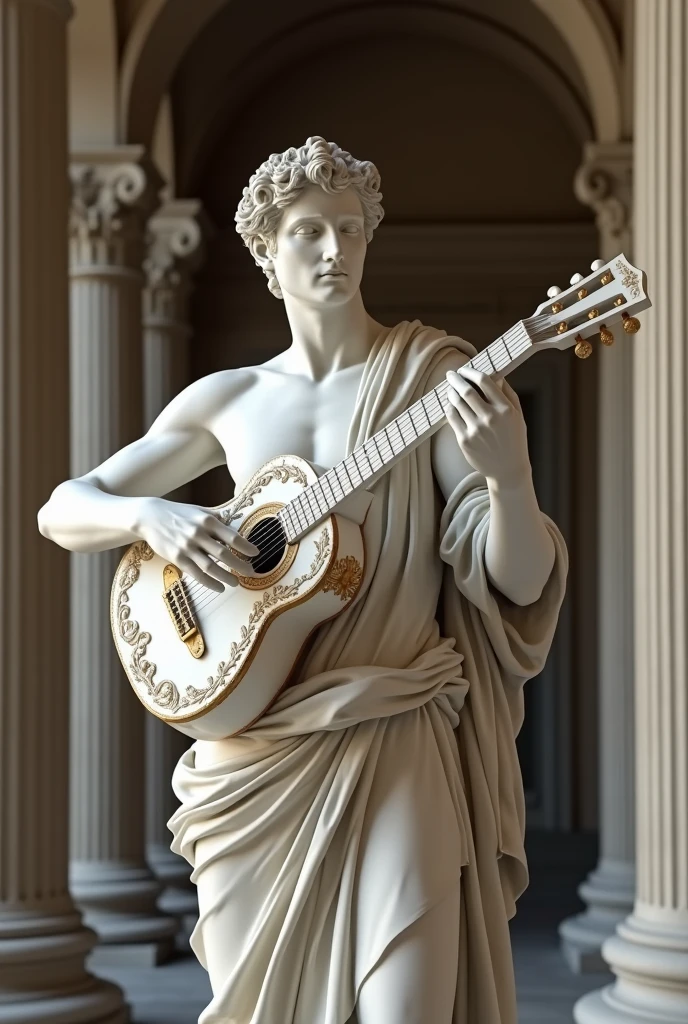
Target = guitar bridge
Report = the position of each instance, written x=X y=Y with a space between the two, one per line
x=177 y=604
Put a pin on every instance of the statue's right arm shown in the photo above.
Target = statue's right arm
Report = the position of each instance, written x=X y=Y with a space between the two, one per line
x=119 y=501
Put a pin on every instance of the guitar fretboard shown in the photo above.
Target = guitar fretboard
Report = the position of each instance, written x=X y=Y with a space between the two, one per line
x=378 y=454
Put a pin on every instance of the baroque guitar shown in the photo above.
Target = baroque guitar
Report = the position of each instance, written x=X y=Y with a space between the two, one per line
x=210 y=664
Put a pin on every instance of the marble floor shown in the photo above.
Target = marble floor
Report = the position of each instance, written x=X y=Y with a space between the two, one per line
x=176 y=992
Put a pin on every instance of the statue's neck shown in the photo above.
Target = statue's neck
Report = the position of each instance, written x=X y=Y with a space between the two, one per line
x=326 y=339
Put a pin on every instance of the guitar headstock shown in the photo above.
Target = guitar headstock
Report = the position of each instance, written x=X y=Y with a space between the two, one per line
x=614 y=292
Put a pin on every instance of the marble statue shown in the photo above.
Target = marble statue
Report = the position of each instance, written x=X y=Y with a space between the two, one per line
x=358 y=852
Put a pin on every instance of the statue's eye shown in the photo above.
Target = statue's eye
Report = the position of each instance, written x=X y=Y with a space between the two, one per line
x=305 y=229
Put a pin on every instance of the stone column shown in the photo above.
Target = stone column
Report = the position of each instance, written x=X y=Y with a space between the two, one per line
x=604 y=182
x=175 y=252
x=43 y=943
x=113 y=193
x=649 y=952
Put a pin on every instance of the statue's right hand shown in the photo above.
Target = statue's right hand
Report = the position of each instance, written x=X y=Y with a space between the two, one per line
x=191 y=538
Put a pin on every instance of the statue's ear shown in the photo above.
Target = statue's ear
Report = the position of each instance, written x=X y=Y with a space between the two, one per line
x=261 y=253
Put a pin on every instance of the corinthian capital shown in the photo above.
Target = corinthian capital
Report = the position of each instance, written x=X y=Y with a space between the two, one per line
x=604 y=181
x=176 y=239
x=114 y=192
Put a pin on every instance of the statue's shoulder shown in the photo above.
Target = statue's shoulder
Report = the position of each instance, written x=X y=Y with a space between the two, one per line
x=416 y=346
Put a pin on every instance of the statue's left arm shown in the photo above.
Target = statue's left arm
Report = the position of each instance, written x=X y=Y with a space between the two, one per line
x=486 y=433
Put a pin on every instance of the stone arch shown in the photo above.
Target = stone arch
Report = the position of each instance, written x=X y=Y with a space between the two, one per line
x=586 y=30
x=466 y=28
x=163 y=32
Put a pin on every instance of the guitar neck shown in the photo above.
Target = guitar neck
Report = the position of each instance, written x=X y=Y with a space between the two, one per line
x=371 y=460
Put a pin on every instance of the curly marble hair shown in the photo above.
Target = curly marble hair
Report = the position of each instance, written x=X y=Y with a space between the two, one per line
x=281 y=179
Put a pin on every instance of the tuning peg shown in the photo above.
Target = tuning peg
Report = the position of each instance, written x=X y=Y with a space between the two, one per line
x=576 y=278
x=631 y=324
x=596 y=265
x=583 y=348
x=553 y=292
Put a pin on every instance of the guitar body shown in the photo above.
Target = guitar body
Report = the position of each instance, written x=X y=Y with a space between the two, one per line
x=212 y=666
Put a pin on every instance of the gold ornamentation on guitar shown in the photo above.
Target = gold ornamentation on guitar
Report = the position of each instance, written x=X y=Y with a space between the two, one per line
x=344 y=578
x=283 y=473
x=210 y=664
x=629 y=279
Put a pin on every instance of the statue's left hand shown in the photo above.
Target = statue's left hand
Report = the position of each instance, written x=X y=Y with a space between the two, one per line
x=490 y=430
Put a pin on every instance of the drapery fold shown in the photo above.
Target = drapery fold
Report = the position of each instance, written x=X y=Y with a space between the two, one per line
x=388 y=770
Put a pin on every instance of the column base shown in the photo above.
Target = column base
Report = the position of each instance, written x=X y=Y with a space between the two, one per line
x=119 y=903
x=85 y=1008
x=649 y=955
x=132 y=954
x=609 y=891
x=179 y=902
x=43 y=976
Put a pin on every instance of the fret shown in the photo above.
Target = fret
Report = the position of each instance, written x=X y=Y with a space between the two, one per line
x=388 y=438
x=421 y=417
x=287 y=516
x=308 y=508
x=400 y=441
x=488 y=357
x=345 y=469
x=304 y=506
x=373 y=453
x=385 y=437
x=482 y=362
x=336 y=485
x=431 y=414
x=319 y=494
x=311 y=508
x=353 y=466
x=294 y=517
x=377 y=449
x=496 y=357
x=289 y=523
x=505 y=355
x=409 y=416
x=513 y=343
x=439 y=402
x=358 y=454
x=325 y=479
x=297 y=503
x=363 y=453
x=411 y=411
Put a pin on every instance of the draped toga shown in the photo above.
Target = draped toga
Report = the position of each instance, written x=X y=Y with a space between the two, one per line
x=387 y=773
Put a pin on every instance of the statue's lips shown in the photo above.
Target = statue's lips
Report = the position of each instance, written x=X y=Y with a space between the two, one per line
x=334 y=273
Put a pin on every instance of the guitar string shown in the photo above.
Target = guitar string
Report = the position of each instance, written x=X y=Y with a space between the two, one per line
x=275 y=535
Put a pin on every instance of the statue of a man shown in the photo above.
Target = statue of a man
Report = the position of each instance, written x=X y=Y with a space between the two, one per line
x=359 y=850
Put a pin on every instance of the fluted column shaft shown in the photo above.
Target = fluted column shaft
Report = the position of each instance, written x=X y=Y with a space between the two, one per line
x=649 y=953
x=113 y=193
x=175 y=252
x=43 y=942
x=604 y=182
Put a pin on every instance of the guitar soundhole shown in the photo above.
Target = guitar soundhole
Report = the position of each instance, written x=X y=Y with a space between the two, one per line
x=269 y=538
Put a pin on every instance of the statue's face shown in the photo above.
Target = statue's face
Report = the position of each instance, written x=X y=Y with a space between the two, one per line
x=321 y=247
